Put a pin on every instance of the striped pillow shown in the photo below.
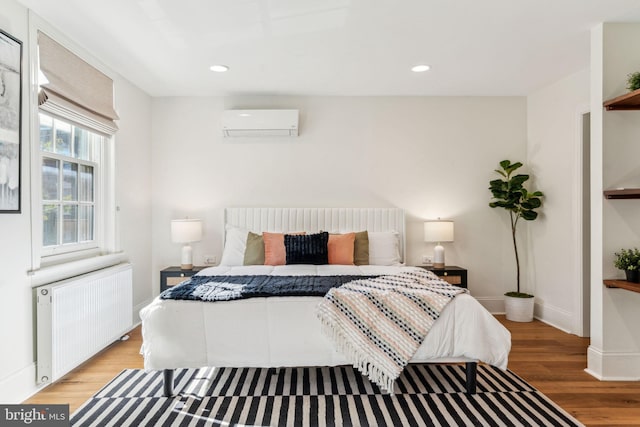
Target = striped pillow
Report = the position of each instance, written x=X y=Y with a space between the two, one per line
x=307 y=249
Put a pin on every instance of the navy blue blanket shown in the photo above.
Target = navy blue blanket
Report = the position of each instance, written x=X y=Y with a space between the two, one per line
x=225 y=288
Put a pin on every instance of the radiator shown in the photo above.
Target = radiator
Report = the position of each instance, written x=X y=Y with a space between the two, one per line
x=78 y=317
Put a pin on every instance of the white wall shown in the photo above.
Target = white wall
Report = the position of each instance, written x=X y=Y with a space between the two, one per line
x=554 y=157
x=133 y=185
x=614 y=352
x=17 y=334
x=431 y=156
x=16 y=318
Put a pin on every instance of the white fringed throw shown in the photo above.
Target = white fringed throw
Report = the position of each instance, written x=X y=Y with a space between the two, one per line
x=379 y=323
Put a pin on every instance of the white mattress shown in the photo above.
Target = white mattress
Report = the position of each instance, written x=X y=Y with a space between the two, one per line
x=284 y=331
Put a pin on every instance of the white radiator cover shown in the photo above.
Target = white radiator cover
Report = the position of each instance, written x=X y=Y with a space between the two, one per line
x=78 y=317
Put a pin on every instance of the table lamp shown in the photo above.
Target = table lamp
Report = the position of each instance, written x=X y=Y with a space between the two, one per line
x=186 y=231
x=438 y=231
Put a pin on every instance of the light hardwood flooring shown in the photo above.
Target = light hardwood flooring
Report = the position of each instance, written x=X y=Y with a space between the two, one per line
x=547 y=358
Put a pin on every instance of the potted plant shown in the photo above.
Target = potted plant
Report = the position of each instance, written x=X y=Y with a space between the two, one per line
x=633 y=81
x=509 y=193
x=629 y=261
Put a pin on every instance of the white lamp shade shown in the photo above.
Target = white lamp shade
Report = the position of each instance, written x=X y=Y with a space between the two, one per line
x=186 y=230
x=438 y=231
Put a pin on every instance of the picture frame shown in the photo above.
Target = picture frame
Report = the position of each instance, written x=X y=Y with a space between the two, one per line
x=10 y=123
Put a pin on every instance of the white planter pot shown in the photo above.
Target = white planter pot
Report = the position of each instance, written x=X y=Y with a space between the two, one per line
x=519 y=309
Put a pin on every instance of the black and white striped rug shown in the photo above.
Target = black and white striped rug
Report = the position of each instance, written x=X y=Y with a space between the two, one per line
x=426 y=395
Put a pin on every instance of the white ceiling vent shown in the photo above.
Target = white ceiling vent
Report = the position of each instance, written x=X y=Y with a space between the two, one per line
x=259 y=123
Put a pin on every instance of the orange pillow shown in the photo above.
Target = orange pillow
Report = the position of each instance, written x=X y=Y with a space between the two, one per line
x=340 y=248
x=274 y=251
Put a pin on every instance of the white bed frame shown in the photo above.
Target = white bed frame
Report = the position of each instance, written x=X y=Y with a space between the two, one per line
x=260 y=219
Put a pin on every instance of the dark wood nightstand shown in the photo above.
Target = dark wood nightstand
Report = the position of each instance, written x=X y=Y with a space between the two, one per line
x=450 y=273
x=171 y=276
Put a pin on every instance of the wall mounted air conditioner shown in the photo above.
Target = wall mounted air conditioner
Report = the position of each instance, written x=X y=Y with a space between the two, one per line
x=259 y=123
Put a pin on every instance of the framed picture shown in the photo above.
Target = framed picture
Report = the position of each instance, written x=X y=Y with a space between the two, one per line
x=10 y=122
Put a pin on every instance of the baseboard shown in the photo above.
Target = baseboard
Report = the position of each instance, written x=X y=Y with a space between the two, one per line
x=548 y=314
x=136 y=311
x=492 y=304
x=613 y=366
x=554 y=316
x=554 y=325
x=19 y=386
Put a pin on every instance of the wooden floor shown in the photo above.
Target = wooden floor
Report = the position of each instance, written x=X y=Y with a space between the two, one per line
x=547 y=358
x=553 y=362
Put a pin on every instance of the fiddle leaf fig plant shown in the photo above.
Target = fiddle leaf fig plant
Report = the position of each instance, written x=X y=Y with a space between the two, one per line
x=510 y=193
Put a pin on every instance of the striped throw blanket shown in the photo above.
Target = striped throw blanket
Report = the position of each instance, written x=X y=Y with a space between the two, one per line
x=379 y=323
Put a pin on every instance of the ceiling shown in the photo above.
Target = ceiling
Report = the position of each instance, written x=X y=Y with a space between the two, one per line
x=337 y=47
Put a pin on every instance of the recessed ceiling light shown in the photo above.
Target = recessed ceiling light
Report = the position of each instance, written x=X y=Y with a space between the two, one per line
x=219 y=68
x=420 y=68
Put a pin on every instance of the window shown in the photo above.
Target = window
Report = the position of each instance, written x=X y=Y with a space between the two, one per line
x=74 y=217
x=70 y=175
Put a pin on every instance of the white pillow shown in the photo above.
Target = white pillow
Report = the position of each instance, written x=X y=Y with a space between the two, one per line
x=384 y=248
x=234 y=246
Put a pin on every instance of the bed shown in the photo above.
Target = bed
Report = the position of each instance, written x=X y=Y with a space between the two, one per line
x=285 y=331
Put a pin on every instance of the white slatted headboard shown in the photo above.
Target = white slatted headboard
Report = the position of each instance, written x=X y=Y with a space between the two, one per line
x=337 y=220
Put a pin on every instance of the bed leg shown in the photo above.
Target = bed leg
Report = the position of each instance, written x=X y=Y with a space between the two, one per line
x=471 y=370
x=168 y=382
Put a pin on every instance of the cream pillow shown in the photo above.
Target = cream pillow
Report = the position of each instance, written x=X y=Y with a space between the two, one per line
x=384 y=248
x=234 y=246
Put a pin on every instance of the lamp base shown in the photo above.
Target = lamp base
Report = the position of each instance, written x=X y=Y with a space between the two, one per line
x=187 y=257
x=438 y=256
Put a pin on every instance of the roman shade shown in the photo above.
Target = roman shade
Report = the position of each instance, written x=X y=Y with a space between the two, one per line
x=75 y=90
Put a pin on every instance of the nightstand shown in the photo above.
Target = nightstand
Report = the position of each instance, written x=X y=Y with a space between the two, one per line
x=171 y=276
x=450 y=273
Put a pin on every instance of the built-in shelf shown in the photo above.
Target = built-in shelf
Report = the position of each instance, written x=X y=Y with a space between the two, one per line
x=628 y=101
x=623 y=284
x=623 y=193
